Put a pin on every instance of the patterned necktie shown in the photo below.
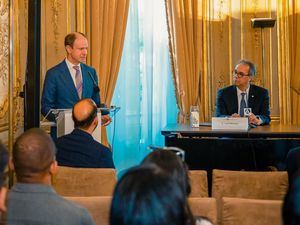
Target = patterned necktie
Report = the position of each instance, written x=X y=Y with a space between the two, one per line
x=78 y=81
x=243 y=104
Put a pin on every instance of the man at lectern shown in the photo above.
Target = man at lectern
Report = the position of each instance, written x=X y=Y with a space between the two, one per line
x=79 y=149
x=71 y=80
x=235 y=99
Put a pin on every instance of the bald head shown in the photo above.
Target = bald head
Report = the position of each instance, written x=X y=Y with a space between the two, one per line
x=33 y=154
x=84 y=112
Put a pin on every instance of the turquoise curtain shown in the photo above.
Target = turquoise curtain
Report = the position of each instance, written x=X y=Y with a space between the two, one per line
x=145 y=89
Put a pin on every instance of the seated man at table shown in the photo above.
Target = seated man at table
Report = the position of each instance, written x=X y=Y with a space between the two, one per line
x=79 y=149
x=232 y=100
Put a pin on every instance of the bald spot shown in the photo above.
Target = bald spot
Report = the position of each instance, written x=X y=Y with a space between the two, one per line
x=33 y=153
x=83 y=109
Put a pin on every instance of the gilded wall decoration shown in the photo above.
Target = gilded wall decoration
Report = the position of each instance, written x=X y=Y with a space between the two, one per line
x=4 y=58
x=56 y=8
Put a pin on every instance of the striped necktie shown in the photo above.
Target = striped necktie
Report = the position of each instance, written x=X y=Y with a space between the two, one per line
x=78 y=81
x=243 y=104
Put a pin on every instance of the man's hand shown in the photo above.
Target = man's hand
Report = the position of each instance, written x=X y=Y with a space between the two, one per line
x=253 y=119
x=235 y=115
x=105 y=120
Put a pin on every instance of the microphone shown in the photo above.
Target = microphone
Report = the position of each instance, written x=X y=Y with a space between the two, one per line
x=96 y=88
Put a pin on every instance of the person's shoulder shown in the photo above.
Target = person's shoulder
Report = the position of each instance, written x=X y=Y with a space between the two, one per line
x=100 y=146
x=53 y=70
x=74 y=211
x=259 y=88
x=227 y=89
x=88 y=68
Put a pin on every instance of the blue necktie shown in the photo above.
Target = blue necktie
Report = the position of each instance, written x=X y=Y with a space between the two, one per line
x=243 y=104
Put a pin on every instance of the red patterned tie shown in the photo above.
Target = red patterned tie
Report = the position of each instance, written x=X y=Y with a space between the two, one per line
x=78 y=81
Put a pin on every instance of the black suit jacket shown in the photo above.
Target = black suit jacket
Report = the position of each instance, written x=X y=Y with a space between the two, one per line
x=258 y=101
x=79 y=149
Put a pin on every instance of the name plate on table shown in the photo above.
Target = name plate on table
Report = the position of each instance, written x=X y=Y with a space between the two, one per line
x=230 y=123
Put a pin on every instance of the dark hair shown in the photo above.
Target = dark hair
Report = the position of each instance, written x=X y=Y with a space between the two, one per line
x=148 y=196
x=33 y=153
x=86 y=122
x=172 y=164
x=252 y=68
x=292 y=162
x=70 y=38
x=3 y=163
x=291 y=204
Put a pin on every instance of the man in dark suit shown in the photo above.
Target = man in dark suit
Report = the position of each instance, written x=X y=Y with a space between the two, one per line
x=79 y=149
x=71 y=80
x=232 y=100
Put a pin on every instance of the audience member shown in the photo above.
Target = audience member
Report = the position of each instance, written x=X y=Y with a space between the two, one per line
x=292 y=162
x=32 y=200
x=171 y=164
x=171 y=161
x=291 y=205
x=79 y=149
x=149 y=196
x=3 y=189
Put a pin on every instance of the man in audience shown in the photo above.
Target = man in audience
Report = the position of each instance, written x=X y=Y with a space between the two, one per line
x=79 y=149
x=232 y=100
x=3 y=189
x=32 y=200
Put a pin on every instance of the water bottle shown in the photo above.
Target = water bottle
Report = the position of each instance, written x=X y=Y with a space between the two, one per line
x=194 y=116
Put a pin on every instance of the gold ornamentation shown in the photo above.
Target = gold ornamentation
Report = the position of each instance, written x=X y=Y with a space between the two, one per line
x=55 y=7
x=4 y=55
x=4 y=107
x=221 y=19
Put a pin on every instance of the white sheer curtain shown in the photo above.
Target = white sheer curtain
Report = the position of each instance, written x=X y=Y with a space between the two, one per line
x=144 y=89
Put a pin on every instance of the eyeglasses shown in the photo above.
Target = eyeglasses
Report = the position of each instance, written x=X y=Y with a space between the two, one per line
x=179 y=152
x=240 y=74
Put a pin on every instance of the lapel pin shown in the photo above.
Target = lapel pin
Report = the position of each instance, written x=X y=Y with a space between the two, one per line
x=252 y=96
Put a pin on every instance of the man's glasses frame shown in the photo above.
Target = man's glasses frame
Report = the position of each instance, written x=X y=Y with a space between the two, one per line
x=240 y=74
x=179 y=152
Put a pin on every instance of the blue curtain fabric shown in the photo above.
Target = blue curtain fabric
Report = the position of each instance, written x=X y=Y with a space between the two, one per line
x=145 y=89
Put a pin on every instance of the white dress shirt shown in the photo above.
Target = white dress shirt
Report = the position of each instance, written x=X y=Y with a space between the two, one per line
x=73 y=71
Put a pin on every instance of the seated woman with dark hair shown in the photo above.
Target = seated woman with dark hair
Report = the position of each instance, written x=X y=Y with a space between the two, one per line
x=171 y=160
x=146 y=195
x=171 y=164
x=291 y=204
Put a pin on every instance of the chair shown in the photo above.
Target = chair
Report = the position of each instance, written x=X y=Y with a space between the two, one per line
x=198 y=179
x=251 y=185
x=206 y=207
x=98 y=207
x=236 y=211
x=84 y=182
